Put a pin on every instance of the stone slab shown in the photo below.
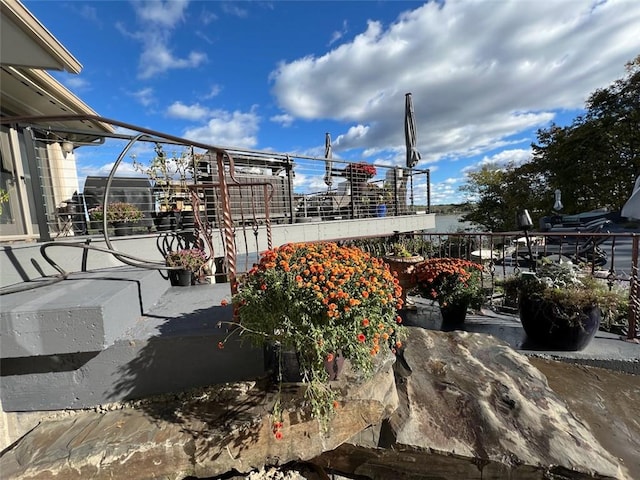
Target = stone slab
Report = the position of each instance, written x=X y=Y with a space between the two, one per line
x=206 y=433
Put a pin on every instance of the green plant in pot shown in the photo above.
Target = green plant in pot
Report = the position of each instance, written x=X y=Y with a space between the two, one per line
x=4 y=198
x=321 y=301
x=121 y=215
x=117 y=212
x=455 y=283
x=192 y=259
x=561 y=306
x=185 y=263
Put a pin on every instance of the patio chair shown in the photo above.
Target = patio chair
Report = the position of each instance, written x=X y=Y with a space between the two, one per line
x=576 y=249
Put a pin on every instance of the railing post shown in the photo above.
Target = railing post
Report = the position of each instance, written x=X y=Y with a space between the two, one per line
x=229 y=237
x=633 y=291
x=289 y=169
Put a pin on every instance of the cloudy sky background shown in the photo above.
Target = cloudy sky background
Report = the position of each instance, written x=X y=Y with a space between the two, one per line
x=484 y=75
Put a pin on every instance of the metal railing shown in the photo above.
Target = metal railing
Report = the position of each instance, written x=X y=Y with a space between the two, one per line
x=611 y=257
x=304 y=188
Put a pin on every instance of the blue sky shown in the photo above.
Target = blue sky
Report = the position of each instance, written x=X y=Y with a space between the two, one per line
x=484 y=75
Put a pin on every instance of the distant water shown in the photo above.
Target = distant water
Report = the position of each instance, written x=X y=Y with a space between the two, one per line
x=451 y=223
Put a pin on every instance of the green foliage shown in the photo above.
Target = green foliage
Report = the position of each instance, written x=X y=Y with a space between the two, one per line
x=399 y=250
x=593 y=161
x=568 y=288
x=4 y=198
x=117 y=212
x=499 y=193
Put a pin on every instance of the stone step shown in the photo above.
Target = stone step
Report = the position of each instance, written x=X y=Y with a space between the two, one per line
x=84 y=313
x=172 y=348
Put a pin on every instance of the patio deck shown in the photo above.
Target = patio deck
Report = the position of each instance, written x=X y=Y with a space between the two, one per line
x=606 y=350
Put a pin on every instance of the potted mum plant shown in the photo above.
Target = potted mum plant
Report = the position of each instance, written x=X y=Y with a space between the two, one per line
x=321 y=301
x=561 y=306
x=185 y=264
x=360 y=171
x=121 y=215
x=455 y=283
x=358 y=174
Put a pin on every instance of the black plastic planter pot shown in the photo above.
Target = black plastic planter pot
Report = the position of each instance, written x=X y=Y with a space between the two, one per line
x=547 y=329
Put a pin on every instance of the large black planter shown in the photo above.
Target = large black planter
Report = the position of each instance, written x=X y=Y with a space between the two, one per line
x=165 y=221
x=547 y=329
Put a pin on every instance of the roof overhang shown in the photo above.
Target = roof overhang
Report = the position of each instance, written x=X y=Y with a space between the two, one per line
x=27 y=92
x=27 y=49
x=26 y=43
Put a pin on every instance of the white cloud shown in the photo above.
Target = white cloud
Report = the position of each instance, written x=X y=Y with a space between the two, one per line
x=353 y=136
x=234 y=10
x=157 y=58
x=516 y=156
x=188 y=112
x=285 y=120
x=158 y=20
x=89 y=13
x=237 y=129
x=144 y=96
x=338 y=34
x=480 y=73
x=214 y=91
x=207 y=17
x=77 y=83
x=161 y=13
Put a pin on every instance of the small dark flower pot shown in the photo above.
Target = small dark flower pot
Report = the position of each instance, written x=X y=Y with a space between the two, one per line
x=454 y=314
x=547 y=328
x=284 y=365
x=165 y=221
x=181 y=278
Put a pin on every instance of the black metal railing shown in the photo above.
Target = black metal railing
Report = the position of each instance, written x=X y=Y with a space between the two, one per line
x=611 y=257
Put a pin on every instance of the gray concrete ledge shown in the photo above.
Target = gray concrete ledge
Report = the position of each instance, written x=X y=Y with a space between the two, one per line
x=84 y=313
x=170 y=349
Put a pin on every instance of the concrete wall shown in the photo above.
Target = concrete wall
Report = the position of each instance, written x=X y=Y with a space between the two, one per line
x=21 y=262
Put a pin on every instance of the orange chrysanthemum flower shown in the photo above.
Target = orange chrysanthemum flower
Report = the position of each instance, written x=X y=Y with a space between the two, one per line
x=321 y=298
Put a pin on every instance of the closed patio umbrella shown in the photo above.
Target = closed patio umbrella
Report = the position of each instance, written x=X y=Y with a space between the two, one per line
x=631 y=208
x=328 y=154
x=413 y=155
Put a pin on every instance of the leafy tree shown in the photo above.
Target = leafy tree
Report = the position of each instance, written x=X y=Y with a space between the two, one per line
x=593 y=161
x=497 y=194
